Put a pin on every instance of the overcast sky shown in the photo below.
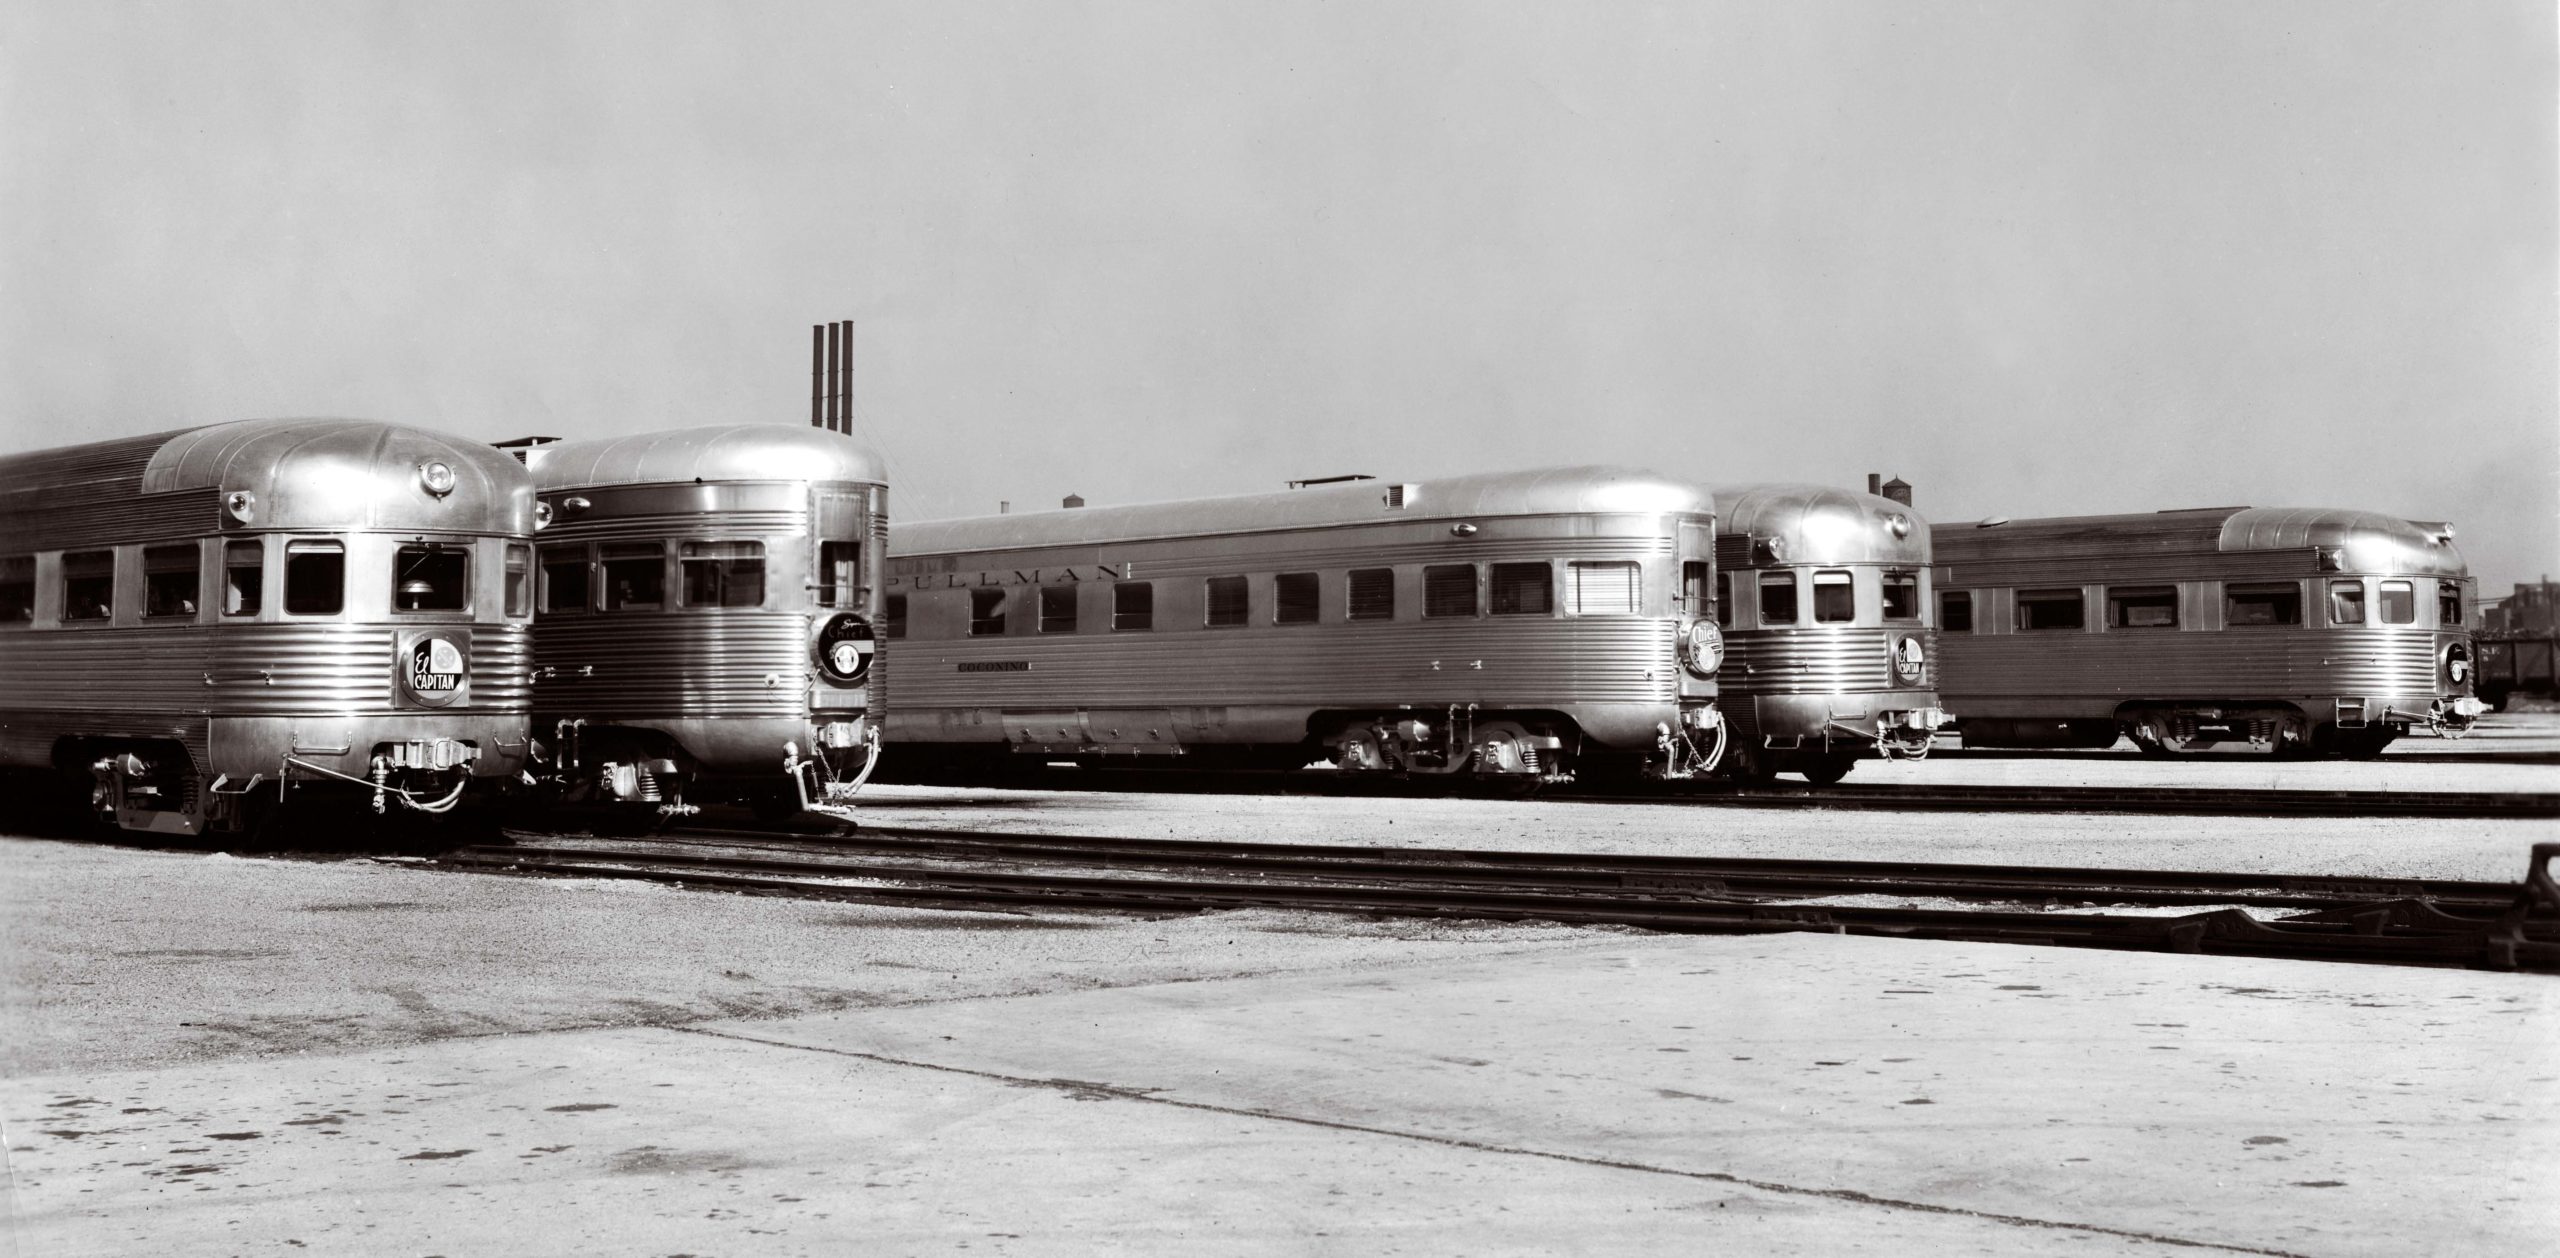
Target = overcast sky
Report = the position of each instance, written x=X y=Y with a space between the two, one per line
x=2036 y=257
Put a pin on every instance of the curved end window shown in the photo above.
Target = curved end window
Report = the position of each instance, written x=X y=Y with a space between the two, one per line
x=430 y=578
x=2399 y=603
x=315 y=578
x=1777 y=598
x=2346 y=602
x=1835 y=598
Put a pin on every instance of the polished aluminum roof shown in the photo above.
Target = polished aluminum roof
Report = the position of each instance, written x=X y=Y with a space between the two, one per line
x=2374 y=541
x=1821 y=524
x=1551 y=491
x=720 y=452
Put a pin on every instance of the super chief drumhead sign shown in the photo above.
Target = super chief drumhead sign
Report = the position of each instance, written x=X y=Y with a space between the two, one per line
x=845 y=646
x=432 y=668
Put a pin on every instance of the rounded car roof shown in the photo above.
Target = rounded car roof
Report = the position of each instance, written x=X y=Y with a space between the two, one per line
x=346 y=473
x=1822 y=524
x=718 y=452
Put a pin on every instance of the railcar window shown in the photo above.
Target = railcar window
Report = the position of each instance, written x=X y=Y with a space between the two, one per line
x=170 y=580
x=1835 y=599
x=1604 y=589
x=315 y=578
x=564 y=579
x=1777 y=598
x=1372 y=593
x=2051 y=609
x=2270 y=604
x=519 y=580
x=1694 y=592
x=1229 y=607
x=2399 y=603
x=17 y=589
x=1724 y=600
x=2448 y=603
x=1295 y=598
x=2346 y=602
x=635 y=576
x=1133 y=605
x=839 y=574
x=2142 y=606
x=1902 y=596
x=1449 y=589
x=722 y=574
x=897 y=615
x=244 y=577
x=1955 y=611
x=986 y=613
x=1523 y=589
x=89 y=585
x=1057 y=609
x=430 y=579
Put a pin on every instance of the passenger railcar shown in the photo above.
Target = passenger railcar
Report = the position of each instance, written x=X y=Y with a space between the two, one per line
x=707 y=604
x=1823 y=597
x=2324 y=630
x=198 y=623
x=1519 y=625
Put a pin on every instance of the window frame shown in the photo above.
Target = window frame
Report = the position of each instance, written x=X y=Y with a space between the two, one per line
x=1546 y=587
x=1698 y=588
x=2231 y=590
x=1310 y=584
x=2052 y=596
x=2448 y=603
x=2122 y=598
x=893 y=615
x=981 y=623
x=9 y=582
x=1839 y=579
x=1237 y=591
x=605 y=560
x=231 y=568
x=578 y=555
x=516 y=580
x=840 y=580
x=1074 y=618
x=2382 y=601
x=299 y=547
x=64 y=578
x=1956 y=598
x=1778 y=579
x=1445 y=572
x=195 y=584
x=2361 y=602
x=1122 y=616
x=1887 y=581
x=1385 y=581
x=402 y=548
x=684 y=579
x=1572 y=603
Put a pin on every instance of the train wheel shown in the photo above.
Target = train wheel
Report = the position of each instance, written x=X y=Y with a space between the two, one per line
x=1827 y=768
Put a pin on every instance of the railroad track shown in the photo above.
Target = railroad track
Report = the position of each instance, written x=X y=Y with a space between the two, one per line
x=2422 y=921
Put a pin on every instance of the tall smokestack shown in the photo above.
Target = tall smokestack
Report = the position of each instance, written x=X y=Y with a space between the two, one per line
x=817 y=376
x=844 y=387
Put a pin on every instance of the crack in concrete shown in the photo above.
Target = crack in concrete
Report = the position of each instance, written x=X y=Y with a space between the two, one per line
x=1848 y=1195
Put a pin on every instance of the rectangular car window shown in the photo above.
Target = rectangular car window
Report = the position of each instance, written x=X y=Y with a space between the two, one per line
x=2399 y=603
x=17 y=589
x=1724 y=600
x=1604 y=589
x=1835 y=599
x=1955 y=611
x=2051 y=609
x=722 y=574
x=2346 y=602
x=2271 y=603
x=1057 y=609
x=2142 y=606
x=519 y=579
x=1523 y=589
x=1133 y=605
x=88 y=585
x=564 y=579
x=1449 y=589
x=1229 y=605
x=986 y=613
x=1294 y=601
x=2448 y=603
x=1901 y=595
x=1372 y=593
x=429 y=578
x=169 y=580
x=635 y=576
x=897 y=615
x=244 y=577
x=315 y=578
x=1694 y=589
x=1777 y=598
x=839 y=574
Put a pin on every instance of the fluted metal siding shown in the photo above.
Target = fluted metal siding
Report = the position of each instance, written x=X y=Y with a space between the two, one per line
x=2089 y=674
x=655 y=666
x=91 y=495
x=1818 y=661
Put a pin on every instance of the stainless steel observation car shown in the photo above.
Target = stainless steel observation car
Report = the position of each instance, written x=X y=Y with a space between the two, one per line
x=1823 y=595
x=198 y=622
x=2325 y=630
x=1518 y=625
x=708 y=597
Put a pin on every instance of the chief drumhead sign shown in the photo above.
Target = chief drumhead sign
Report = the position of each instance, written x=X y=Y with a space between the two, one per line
x=844 y=648
x=433 y=667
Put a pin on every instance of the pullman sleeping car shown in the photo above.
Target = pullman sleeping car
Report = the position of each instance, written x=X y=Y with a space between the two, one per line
x=196 y=623
x=706 y=611
x=2315 y=630
x=1823 y=597
x=1521 y=625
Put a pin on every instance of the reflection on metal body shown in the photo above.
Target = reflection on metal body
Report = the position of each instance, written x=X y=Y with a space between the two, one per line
x=677 y=700
x=169 y=710
x=1559 y=595
x=2350 y=649
x=1811 y=693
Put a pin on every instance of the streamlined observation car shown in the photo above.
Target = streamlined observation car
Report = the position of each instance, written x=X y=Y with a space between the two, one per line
x=707 y=602
x=199 y=623
x=2326 y=630
x=1521 y=624
x=1823 y=597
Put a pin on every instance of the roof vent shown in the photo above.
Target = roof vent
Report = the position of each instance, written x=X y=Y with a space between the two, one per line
x=1330 y=480
x=1400 y=496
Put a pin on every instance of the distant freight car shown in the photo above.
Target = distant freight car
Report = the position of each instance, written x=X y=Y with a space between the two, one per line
x=2327 y=630
x=1824 y=598
x=708 y=597
x=196 y=623
x=1522 y=625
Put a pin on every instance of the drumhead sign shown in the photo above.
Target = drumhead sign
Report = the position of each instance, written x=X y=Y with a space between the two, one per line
x=432 y=667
